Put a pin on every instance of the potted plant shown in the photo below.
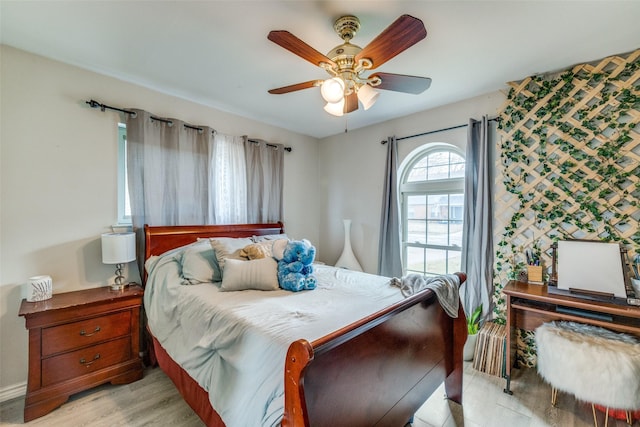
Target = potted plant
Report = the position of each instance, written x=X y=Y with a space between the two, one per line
x=473 y=326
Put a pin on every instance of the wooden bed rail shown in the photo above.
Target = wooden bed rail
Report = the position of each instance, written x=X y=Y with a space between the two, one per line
x=379 y=370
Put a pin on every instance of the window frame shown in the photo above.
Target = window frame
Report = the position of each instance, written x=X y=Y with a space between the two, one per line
x=124 y=218
x=426 y=188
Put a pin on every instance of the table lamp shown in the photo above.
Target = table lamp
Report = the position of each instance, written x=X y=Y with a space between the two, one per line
x=118 y=248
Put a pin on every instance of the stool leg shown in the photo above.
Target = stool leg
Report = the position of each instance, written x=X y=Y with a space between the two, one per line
x=595 y=420
x=554 y=396
x=628 y=415
x=606 y=417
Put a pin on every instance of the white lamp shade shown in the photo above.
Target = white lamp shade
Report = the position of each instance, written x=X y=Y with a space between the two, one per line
x=367 y=95
x=332 y=90
x=118 y=248
x=336 y=108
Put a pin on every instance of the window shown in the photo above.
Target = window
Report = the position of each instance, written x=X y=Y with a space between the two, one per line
x=124 y=208
x=432 y=198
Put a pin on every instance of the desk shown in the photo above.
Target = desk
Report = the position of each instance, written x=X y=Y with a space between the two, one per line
x=529 y=306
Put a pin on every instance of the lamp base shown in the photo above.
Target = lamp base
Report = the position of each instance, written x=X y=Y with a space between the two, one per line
x=118 y=283
x=118 y=287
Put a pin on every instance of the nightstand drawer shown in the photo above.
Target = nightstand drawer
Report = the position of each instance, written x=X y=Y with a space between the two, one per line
x=85 y=361
x=85 y=332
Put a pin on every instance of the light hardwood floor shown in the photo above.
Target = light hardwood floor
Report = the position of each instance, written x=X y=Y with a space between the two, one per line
x=153 y=401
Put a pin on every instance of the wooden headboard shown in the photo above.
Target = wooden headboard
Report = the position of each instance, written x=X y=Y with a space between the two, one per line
x=159 y=239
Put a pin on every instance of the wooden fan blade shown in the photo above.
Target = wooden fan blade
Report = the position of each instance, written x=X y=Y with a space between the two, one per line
x=402 y=83
x=298 y=47
x=396 y=38
x=351 y=103
x=295 y=87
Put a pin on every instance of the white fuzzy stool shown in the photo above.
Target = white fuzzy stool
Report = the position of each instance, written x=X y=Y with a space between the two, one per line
x=592 y=363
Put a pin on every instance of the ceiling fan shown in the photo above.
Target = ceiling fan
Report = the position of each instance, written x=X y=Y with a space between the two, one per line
x=348 y=64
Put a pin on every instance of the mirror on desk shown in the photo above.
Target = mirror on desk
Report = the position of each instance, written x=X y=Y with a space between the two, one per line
x=591 y=269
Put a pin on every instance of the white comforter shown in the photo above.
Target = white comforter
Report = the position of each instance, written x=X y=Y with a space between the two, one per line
x=234 y=343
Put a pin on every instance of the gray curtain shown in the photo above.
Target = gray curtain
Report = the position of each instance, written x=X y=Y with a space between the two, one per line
x=390 y=247
x=265 y=170
x=477 y=233
x=167 y=172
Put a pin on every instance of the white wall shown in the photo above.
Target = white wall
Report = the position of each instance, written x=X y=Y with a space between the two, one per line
x=352 y=169
x=58 y=181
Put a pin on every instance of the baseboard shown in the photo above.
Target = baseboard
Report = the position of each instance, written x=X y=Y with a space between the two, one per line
x=11 y=392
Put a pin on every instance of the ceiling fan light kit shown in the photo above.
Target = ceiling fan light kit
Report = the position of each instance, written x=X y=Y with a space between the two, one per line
x=348 y=64
x=332 y=90
x=367 y=96
x=335 y=108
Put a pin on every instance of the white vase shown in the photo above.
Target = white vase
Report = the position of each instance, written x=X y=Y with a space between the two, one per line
x=469 y=347
x=348 y=259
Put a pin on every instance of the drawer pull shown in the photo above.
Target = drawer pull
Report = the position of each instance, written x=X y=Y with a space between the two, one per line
x=85 y=334
x=84 y=362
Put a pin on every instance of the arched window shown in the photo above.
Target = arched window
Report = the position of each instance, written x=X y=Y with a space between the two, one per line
x=432 y=198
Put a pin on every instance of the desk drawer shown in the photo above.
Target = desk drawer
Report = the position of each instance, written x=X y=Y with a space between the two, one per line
x=85 y=332
x=85 y=361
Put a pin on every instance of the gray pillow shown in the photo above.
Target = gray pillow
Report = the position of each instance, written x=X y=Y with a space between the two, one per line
x=199 y=264
x=258 y=239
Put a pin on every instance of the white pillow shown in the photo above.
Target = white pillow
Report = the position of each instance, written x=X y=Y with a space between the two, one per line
x=228 y=247
x=260 y=274
x=278 y=248
x=199 y=264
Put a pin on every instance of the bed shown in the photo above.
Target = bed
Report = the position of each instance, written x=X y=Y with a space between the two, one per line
x=375 y=370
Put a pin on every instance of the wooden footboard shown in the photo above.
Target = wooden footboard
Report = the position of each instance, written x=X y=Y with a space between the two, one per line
x=378 y=371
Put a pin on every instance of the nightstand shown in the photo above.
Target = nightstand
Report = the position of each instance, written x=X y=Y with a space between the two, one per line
x=78 y=340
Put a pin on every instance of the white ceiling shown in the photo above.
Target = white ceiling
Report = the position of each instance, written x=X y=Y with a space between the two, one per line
x=216 y=53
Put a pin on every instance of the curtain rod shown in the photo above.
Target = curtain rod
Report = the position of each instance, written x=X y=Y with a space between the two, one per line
x=495 y=119
x=257 y=141
x=95 y=104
